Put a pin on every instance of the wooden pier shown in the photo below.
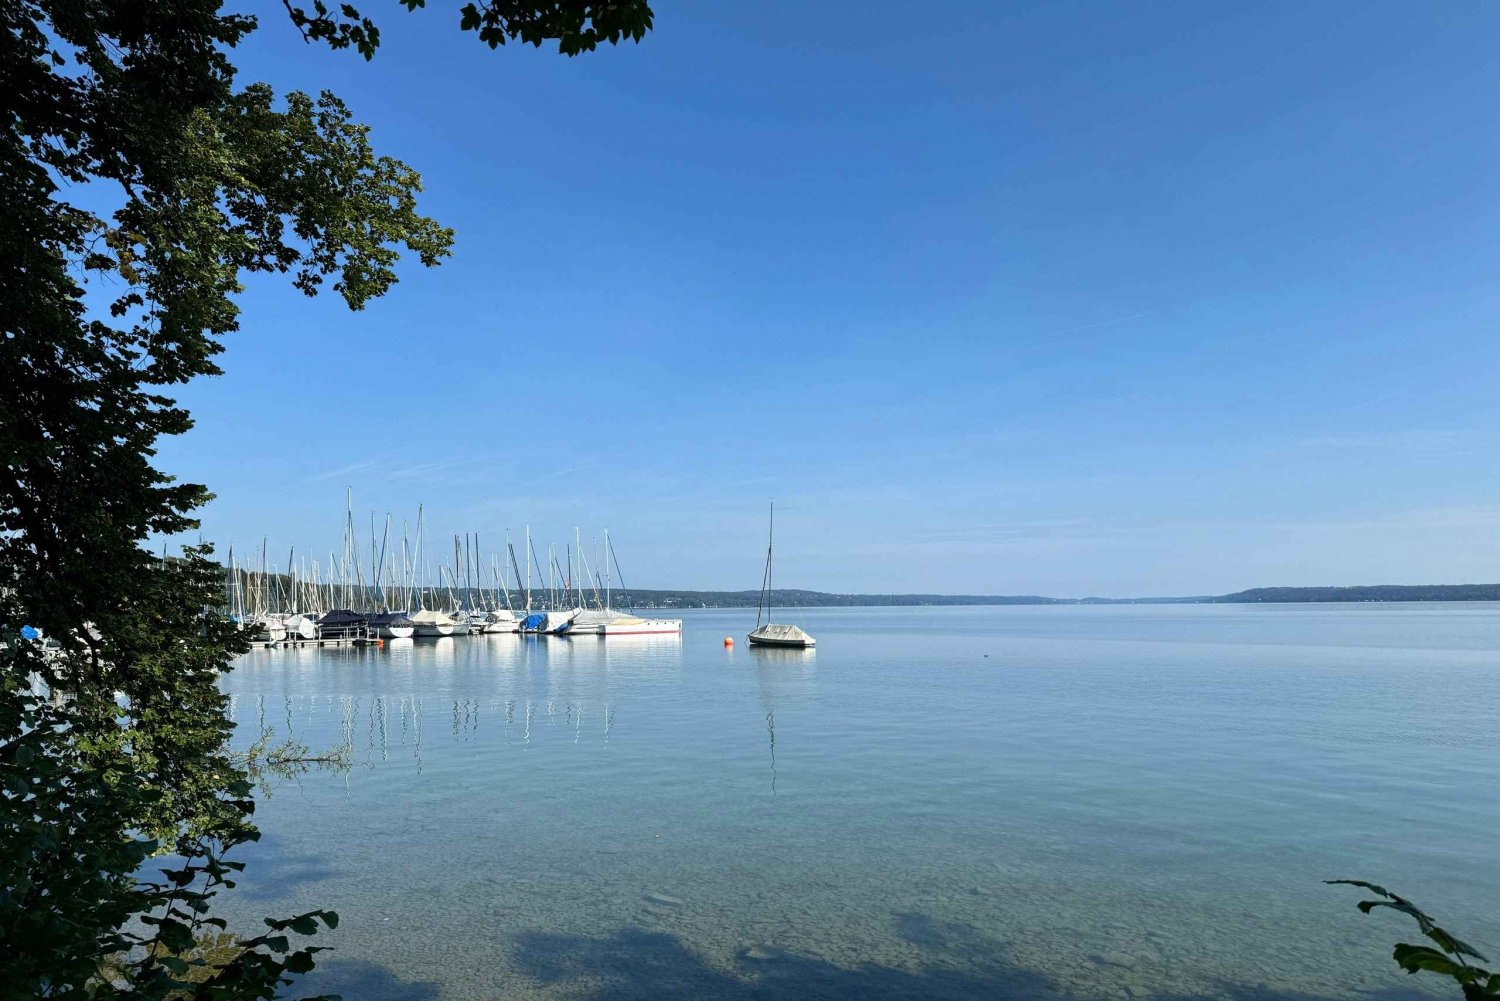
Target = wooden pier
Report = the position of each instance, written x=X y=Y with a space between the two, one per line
x=321 y=641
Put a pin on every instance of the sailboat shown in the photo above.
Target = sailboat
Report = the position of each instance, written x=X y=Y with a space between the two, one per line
x=772 y=634
x=604 y=619
x=392 y=625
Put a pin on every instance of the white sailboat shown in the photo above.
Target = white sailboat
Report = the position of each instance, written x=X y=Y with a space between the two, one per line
x=631 y=625
x=772 y=634
x=501 y=620
x=605 y=620
x=393 y=625
x=430 y=624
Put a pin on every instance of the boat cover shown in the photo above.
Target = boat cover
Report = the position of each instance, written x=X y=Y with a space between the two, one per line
x=340 y=617
x=533 y=622
x=781 y=634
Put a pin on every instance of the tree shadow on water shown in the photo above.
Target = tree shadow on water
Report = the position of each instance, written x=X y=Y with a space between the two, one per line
x=273 y=870
x=359 y=980
x=635 y=963
x=959 y=963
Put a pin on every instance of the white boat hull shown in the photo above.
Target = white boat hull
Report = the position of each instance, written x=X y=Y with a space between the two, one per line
x=642 y=627
x=784 y=644
x=433 y=630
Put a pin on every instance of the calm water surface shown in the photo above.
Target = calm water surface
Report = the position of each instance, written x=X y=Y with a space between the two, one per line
x=1079 y=802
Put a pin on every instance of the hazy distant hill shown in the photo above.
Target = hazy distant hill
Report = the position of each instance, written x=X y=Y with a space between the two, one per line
x=820 y=599
x=1375 y=592
x=792 y=598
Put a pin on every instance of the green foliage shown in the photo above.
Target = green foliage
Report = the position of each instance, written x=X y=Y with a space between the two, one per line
x=138 y=184
x=576 y=25
x=69 y=884
x=1452 y=956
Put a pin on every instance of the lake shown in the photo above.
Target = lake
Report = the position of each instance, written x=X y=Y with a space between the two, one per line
x=1030 y=801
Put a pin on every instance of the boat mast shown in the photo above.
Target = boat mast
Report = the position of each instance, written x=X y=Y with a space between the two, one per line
x=516 y=569
x=765 y=583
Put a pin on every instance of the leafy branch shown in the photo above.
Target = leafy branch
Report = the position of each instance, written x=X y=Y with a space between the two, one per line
x=576 y=25
x=1449 y=959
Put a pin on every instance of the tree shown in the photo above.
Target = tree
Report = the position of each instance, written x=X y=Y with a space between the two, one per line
x=112 y=732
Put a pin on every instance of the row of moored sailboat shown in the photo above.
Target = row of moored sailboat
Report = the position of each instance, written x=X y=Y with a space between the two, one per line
x=339 y=603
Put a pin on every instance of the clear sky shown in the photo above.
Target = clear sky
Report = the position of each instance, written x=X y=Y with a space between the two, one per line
x=1057 y=298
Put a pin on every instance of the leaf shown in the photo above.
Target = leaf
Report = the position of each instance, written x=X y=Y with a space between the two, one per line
x=174 y=935
x=1412 y=958
x=1361 y=884
x=1450 y=944
x=303 y=924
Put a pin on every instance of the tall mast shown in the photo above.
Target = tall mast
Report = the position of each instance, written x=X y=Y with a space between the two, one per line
x=416 y=562
x=551 y=575
x=765 y=583
x=477 y=569
x=515 y=568
x=405 y=570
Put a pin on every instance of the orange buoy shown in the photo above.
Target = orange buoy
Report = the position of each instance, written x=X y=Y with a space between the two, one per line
x=729 y=641
x=380 y=643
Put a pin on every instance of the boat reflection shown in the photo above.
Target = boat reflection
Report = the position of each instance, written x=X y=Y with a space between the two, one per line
x=771 y=729
x=783 y=677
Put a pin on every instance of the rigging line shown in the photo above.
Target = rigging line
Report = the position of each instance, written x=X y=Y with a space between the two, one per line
x=620 y=573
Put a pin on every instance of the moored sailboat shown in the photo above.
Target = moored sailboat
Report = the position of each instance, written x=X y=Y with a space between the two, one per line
x=774 y=634
x=392 y=625
x=606 y=620
x=429 y=623
x=341 y=624
x=501 y=620
x=631 y=625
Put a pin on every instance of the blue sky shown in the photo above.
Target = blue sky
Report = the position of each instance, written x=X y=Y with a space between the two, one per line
x=1059 y=298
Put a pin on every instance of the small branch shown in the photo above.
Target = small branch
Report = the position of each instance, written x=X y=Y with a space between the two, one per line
x=297 y=19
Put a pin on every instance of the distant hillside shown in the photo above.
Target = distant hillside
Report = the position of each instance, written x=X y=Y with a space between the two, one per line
x=1375 y=592
x=793 y=598
x=820 y=599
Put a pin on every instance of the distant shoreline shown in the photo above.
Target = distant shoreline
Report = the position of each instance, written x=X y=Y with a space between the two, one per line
x=364 y=595
x=783 y=598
